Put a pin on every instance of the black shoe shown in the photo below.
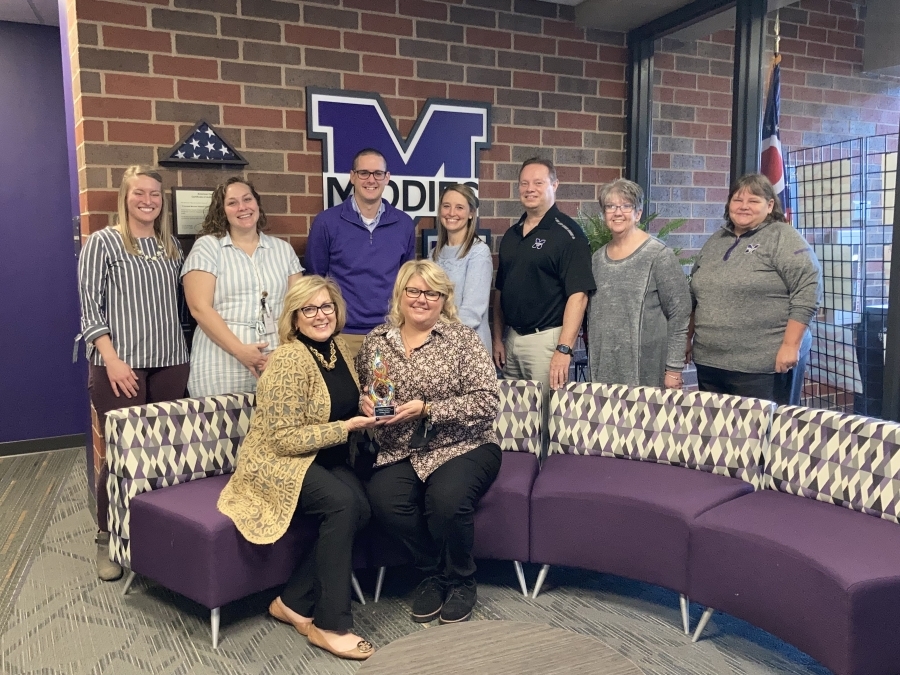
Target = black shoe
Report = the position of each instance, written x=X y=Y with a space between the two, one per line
x=460 y=601
x=428 y=598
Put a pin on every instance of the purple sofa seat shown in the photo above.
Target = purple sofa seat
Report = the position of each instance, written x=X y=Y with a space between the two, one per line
x=821 y=577
x=503 y=516
x=180 y=540
x=622 y=516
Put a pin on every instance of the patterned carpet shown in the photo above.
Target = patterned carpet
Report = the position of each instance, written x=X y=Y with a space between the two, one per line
x=65 y=621
x=29 y=485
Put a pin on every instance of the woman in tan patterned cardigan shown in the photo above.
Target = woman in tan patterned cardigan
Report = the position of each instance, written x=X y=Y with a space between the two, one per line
x=295 y=457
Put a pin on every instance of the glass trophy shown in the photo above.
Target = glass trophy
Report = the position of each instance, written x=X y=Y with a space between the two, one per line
x=381 y=389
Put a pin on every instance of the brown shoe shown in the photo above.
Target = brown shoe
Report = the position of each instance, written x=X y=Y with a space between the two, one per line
x=277 y=610
x=361 y=652
x=107 y=570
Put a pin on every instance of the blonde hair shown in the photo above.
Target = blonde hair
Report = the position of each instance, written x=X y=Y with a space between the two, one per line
x=162 y=227
x=468 y=194
x=301 y=293
x=437 y=280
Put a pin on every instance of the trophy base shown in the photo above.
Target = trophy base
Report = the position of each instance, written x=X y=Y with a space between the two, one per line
x=385 y=410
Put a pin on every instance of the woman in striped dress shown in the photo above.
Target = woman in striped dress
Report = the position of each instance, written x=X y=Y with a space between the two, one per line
x=235 y=279
x=128 y=281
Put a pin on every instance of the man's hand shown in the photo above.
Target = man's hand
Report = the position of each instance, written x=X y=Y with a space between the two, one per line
x=559 y=369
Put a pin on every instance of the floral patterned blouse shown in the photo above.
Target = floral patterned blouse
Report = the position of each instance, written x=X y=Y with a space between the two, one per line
x=454 y=372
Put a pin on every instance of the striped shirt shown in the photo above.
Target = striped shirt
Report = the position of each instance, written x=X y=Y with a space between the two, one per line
x=240 y=282
x=131 y=298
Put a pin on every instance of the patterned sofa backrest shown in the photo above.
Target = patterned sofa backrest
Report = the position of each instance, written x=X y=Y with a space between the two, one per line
x=848 y=460
x=518 y=423
x=161 y=444
x=725 y=435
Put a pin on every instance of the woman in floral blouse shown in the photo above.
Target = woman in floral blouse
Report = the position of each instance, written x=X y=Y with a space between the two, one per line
x=426 y=497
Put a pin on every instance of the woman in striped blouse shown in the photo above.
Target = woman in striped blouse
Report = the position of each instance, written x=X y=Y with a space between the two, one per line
x=128 y=280
x=235 y=280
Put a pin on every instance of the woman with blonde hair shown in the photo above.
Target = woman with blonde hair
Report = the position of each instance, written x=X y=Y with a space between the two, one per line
x=438 y=454
x=235 y=278
x=295 y=459
x=128 y=282
x=465 y=258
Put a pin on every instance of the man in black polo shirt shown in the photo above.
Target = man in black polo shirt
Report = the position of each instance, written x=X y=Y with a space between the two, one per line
x=543 y=283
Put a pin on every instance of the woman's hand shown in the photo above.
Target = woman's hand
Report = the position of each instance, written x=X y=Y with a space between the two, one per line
x=366 y=406
x=673 y=380
x=361 y=422
x=787 y=358
x=122 y=378
x=252 y=358
x=411 y=410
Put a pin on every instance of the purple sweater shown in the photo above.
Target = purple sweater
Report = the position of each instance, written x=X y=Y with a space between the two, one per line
x=363 y=264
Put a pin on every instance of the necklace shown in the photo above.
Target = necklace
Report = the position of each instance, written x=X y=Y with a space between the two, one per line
x=159 y=255
x=331 y=362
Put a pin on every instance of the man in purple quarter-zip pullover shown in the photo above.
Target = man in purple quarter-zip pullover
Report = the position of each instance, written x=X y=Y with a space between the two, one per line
x=361 y=244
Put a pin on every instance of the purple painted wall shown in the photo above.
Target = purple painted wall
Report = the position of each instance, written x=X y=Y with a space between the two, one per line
x=42 y=394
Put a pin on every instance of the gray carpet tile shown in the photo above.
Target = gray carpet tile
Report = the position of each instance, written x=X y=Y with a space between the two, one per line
x=29 y=485
x=499 y=648
x=66 y=621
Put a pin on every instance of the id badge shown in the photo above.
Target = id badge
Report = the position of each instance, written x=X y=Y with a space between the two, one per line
x=269 y=323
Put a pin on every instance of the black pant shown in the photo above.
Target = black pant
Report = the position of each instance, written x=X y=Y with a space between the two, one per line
x=778 y=387
x=320 y=584
x=435 y=518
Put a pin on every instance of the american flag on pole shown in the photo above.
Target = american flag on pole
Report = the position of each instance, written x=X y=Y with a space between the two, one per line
x=772 y=159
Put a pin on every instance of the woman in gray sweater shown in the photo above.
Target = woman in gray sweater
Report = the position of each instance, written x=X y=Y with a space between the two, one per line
x=756 y=286
x=638 y=317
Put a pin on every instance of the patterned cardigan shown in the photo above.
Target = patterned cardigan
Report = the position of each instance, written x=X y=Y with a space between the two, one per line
x=289 y=427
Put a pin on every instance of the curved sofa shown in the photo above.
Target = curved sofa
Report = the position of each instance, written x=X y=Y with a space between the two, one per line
x=786 y=517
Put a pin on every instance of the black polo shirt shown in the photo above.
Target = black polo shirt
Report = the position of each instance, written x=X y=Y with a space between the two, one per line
x=539 y=272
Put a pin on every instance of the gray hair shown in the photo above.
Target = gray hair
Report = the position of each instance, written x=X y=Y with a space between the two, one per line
x=630 y=190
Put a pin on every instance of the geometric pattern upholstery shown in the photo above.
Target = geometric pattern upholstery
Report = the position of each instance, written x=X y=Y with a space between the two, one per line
x=716 y=433
x=518 y=423
x=843 y=459
x=161 y=444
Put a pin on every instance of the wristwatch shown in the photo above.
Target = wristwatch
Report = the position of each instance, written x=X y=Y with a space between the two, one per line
x=564 y=349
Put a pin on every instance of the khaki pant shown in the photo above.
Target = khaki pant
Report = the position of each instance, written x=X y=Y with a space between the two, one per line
x=528 y=358
x=354 y=342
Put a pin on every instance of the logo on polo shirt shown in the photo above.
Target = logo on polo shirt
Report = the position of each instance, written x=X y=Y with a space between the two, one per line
x=539 y=243
x=751 y=248
x=442 y=148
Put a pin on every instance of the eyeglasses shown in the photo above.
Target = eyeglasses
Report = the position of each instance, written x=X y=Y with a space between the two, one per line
x=624 y=208
x=311 y=310
x=364 y=174
x=416 y=292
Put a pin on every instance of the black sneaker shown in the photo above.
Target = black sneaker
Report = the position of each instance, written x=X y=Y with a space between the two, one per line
x=460 y=601
x=428 y=598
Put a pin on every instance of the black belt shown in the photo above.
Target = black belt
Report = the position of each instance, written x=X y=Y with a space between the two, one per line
x=531 y=331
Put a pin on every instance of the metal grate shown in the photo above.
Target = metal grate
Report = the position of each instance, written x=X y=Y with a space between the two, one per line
x=843 y=205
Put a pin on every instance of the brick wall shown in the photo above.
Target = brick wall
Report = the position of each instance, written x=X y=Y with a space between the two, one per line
x=145 y=71
x=825 y=97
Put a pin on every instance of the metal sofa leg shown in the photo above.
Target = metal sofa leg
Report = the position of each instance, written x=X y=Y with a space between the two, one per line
x=708 y=612
x=379 y=582
x=128 y=582
x=356 y=589
x=214 y=616
x=542 y=575
x=521 y=576
x=685 y=617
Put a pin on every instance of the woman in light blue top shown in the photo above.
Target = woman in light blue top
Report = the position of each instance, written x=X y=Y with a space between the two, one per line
x=465 y=258
x=235 y=279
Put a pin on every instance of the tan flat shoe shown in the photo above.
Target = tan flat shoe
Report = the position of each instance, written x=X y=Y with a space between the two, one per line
x=277 y=610
x=361 y=652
